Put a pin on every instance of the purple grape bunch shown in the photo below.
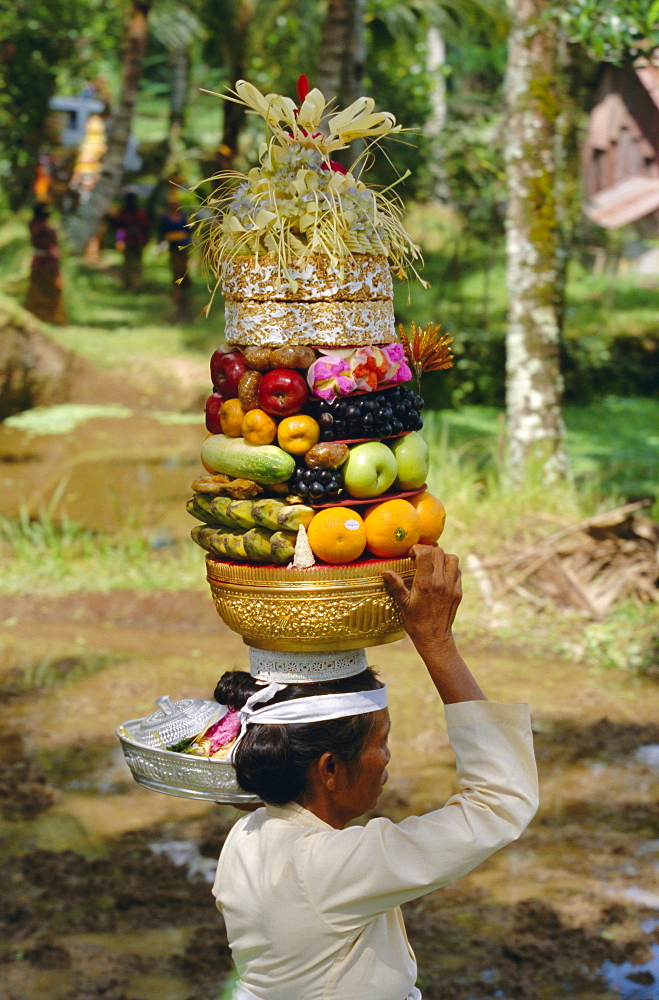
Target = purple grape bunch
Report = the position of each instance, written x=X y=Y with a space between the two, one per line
x=374 y=415
x=317 y=486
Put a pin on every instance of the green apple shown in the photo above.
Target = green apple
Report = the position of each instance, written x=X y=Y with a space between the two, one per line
x=370 y=469
x=411 y=454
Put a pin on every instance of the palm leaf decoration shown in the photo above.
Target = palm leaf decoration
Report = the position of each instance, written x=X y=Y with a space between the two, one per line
x=426 y=348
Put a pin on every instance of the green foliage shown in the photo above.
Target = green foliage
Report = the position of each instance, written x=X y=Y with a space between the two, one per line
x=613 y=31
x=396 y=73
x=72 y=558
x=270 y=42
x=43 y=42
x=627 y=640
x=610 y=342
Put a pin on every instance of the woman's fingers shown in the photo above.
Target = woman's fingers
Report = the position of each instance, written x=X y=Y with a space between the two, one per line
x=397 y=588
x=427 y=559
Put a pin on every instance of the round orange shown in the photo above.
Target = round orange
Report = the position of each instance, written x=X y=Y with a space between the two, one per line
x=432 y=514
x=337 y=535
x=392 y=528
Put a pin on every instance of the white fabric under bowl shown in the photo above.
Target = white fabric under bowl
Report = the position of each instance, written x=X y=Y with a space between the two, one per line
x=305 y=668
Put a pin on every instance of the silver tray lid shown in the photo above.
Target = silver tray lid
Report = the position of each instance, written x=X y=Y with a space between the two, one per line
x=175 y=720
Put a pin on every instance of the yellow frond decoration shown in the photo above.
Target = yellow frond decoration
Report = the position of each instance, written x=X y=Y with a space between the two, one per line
x=426 y=348
x=298 y=202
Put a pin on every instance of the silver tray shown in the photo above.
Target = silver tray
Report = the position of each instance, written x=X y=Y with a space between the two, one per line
x=182 y=774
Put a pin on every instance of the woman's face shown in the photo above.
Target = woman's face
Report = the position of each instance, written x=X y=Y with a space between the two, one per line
x=369 y=775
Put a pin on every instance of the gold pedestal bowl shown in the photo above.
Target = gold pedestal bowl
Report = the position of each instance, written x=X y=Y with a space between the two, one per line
x=320 y=609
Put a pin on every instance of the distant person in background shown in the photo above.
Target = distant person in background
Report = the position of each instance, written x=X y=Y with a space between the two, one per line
x=44 y=294
x=174 y=233
x=132 y=235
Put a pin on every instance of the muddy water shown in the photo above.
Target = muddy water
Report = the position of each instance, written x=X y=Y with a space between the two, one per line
x=109 y=881
x=106 y=472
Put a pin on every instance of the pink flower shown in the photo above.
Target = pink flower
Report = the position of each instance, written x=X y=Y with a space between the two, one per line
x=330 y=376
x=223 y=731
x=399 y=370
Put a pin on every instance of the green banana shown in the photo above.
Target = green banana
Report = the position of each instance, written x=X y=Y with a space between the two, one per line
x=265 y=513
x=257 y=544
x=192 y=508
x=202 y=505
x=282 y=547
x=217 y=542
x=201 y=535
x=218 y=506
x=241 y=512
x=291 y=517
x=235 y=547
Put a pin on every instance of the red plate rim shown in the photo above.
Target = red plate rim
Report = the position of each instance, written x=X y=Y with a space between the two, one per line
x=357 y=502
x=364 y=440
x=371 y=561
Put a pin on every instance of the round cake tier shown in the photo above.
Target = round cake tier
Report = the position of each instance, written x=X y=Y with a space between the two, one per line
x=320 y=609
x=319 y=324
x=358 y=278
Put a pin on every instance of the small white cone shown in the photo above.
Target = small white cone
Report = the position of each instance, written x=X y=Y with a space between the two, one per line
x=304 y=557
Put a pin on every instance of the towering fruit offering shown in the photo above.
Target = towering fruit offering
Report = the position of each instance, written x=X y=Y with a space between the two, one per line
x=314 y=449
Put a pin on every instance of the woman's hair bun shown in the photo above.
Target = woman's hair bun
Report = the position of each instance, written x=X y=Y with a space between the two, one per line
x=234 y=688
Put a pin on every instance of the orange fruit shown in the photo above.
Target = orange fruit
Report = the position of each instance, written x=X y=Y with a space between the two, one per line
x=297 y=434
x=231 y=417
x=392 y=528
x=337 y=535
x=257 y=427
x=432 y=513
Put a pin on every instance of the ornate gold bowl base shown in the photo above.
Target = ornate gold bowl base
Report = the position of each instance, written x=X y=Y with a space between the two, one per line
x=320 y=609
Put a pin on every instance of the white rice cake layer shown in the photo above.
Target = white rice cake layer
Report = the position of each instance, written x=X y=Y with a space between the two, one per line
x=360 y=278
x=325 y=324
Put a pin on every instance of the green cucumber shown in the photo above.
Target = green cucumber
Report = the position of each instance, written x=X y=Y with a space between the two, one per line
x=262 y=463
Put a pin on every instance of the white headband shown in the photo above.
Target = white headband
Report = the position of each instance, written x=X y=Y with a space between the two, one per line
x=316 y=708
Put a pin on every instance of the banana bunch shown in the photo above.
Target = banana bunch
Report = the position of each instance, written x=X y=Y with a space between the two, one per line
x=260 y=531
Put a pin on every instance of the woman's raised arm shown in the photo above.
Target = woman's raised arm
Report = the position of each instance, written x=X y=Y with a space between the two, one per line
x=428 y=608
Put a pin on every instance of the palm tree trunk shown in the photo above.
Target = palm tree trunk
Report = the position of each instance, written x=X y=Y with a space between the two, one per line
x=536 y=434
x=180 y=72
x=435 y=62
x=84 y=224
x=235 y=53
x=342 y=60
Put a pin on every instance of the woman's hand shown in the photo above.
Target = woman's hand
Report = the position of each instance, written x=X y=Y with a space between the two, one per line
x=428 y=608
x=430 y=604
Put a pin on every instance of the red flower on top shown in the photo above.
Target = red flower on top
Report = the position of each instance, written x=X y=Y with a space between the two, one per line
x=303 y=87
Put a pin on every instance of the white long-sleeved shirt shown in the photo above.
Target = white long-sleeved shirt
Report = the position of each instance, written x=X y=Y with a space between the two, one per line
x=312 y=913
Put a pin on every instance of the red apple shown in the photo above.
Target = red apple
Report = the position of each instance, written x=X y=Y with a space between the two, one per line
x=213 y=404
x=227 y=371
x=282 y=392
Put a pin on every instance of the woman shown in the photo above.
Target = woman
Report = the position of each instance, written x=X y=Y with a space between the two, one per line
x=312 y=907
x=132 y=235
x=175 y=233
x=44 y=294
